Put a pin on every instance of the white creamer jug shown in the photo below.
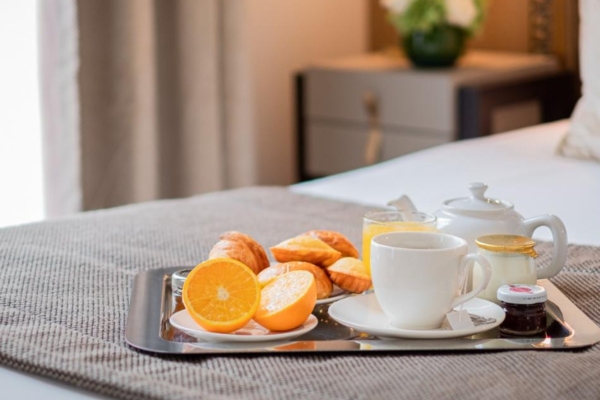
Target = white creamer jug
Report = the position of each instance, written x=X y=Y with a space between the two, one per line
x=512 y=261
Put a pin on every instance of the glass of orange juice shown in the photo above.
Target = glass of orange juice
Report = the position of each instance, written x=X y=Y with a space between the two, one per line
x=378 y=222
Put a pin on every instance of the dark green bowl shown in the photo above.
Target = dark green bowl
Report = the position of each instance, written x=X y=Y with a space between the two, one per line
x=439 y=47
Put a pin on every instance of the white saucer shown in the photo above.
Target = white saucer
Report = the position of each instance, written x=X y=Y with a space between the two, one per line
x=364 y=314
x=336 y=294
x=252 y=332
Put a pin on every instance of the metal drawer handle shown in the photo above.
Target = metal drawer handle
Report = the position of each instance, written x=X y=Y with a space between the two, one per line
x=374 y=139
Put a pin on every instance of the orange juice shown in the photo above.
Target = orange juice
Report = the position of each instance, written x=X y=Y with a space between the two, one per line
x=378 y=222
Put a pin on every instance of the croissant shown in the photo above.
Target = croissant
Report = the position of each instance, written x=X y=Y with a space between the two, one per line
x=242 y=248
x=324 y=285
x=350 y=274
x=305 y=248
x=335 y=240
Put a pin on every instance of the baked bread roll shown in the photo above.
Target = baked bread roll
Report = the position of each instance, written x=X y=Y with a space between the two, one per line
x=336 y=241
x=350 y=274
x=305 y=248
x=324 y=285
x=242 y=248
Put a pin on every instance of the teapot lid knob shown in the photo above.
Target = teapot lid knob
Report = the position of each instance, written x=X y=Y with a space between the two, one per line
x=477 y=201
x=478 y=190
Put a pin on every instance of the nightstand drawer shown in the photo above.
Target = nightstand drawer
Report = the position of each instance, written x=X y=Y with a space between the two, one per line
x=421 y=100
x=334 y=148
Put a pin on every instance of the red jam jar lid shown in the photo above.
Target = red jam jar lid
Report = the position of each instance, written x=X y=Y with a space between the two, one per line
x=522 y=294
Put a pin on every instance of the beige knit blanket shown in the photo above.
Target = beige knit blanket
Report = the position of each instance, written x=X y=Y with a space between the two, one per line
x=65 y=288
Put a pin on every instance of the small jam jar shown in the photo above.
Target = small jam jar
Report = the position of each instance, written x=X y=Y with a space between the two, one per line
x=525 y=308
x=177 y=281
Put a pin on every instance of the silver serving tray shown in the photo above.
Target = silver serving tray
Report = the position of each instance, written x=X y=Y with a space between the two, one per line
x=152 y=303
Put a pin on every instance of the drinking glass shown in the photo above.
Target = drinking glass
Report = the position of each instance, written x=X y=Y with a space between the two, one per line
x=378 y=222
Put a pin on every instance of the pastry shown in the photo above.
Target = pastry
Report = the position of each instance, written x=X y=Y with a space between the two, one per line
x=305 y=248
x=324 y=285
x=335 y=240
x=243 y=248
x=350 y=274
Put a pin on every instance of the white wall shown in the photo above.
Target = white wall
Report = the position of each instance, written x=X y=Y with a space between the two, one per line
x=277 y=39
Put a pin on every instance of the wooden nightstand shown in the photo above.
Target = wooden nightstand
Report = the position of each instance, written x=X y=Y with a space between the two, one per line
x=356 y=111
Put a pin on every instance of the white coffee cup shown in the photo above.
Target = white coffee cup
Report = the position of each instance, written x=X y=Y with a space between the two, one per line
x=418 y=276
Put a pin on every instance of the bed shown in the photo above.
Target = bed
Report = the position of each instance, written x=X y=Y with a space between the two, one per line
x=519 y=166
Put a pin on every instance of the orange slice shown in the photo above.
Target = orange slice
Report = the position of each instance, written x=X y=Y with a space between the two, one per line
x=221 y=295
x=324 y=285
x=287 y=301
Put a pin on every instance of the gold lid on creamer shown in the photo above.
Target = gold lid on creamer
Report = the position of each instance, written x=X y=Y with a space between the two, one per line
x=507 y=244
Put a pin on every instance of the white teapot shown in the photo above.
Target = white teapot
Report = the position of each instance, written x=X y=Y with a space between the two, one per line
x=476 y=215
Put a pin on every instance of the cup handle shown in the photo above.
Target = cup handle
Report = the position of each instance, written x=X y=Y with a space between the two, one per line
x=482 y=263
x=559 y=239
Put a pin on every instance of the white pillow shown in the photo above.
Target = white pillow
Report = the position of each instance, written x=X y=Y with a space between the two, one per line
x=583 y=139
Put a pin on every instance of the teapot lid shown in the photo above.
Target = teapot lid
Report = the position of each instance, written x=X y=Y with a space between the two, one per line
x=477 y=201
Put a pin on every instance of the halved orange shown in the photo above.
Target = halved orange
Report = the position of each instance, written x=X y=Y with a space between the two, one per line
x=324 y=285
x=287 y=301
x=221 y=295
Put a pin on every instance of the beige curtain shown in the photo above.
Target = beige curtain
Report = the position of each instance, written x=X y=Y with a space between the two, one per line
x=59 y=66
x=150 y=93
x=149 y=99
x=144 y=118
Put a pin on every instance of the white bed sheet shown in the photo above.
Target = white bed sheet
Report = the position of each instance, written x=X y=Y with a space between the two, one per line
x=20 y=385
x=519 y=166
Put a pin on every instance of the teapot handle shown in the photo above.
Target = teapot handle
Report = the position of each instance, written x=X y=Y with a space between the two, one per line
x=559 y=238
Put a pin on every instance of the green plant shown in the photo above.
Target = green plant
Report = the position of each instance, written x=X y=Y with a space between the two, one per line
x=424 y=15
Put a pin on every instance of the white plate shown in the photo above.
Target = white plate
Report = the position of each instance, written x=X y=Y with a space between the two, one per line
x=336 y=294
x=252 y=332
x=363 y=313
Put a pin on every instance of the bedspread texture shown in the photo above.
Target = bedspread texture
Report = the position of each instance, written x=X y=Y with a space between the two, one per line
x=65 y=286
